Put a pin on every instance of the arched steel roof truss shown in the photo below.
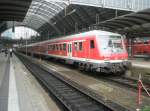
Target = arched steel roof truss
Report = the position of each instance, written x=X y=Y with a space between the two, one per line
x=44 y=10
x=130 y=22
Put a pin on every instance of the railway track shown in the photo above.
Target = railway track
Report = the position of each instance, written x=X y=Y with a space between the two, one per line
x=73 y=96
x=127 y=82
x=117 y=80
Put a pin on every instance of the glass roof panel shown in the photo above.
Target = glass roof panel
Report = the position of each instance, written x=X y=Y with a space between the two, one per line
x=41 y=11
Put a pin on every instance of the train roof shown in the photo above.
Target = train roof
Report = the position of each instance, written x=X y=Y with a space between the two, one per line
x=82 y=34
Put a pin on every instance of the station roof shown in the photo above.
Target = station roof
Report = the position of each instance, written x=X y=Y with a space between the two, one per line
x=60 y=17
x=134 y=23
x=13 y=10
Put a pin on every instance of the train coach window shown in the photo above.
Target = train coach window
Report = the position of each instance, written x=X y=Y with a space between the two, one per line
x=76 y=46
x=64 y=46
x=80 y=45
x=92 y=44
x=57 y=47
x=49 y=47
x=60 y=47
x=53 y=47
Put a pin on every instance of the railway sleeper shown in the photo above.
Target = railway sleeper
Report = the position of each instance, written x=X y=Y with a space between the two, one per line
x=65 y=91
x=74 y=94
x=83 y=105
x=73 y=97
x=81 y=101
x=89 y=108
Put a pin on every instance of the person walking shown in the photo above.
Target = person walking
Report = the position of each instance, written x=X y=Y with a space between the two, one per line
x=6 y=52
x=10 y=52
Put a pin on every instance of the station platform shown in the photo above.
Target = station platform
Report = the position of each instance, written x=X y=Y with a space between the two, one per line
x=141 y=67
x=141 y=64
x=19 y=90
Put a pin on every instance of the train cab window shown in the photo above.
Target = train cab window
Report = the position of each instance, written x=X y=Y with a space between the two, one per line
x=64 y=46
x=80 y=46
x=145 y=42
x=92 y=44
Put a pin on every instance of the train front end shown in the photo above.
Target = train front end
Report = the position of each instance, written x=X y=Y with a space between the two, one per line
x=113 y=52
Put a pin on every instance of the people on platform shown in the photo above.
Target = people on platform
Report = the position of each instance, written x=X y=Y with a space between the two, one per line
x=6 y=52
x=11 y=52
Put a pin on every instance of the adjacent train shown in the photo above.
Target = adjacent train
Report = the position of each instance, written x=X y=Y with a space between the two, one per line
x=94 y=50
x=141 y=48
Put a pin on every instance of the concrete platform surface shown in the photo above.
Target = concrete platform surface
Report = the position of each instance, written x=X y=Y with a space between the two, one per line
x=4 y=82
x=140 y=63
x=22 y=91
x=140 y=67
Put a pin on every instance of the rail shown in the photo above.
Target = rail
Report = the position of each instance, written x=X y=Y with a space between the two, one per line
x=128 y=82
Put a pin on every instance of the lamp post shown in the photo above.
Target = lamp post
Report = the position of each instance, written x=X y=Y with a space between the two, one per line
x=26 y=43
x=40 y=46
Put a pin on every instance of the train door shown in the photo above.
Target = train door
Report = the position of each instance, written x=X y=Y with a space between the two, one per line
x=91 y=54
x=69 y=49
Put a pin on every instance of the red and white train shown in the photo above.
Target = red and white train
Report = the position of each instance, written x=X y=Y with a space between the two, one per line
x=141 y=48
x=96 y=50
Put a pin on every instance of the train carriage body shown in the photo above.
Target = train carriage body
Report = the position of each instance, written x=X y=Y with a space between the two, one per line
x=94 y=50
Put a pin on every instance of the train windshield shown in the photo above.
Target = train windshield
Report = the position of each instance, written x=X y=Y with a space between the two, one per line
x=111 y=44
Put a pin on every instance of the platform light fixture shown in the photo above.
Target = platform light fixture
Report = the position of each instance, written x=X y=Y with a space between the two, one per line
x=71 y=12
x=54 y=23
